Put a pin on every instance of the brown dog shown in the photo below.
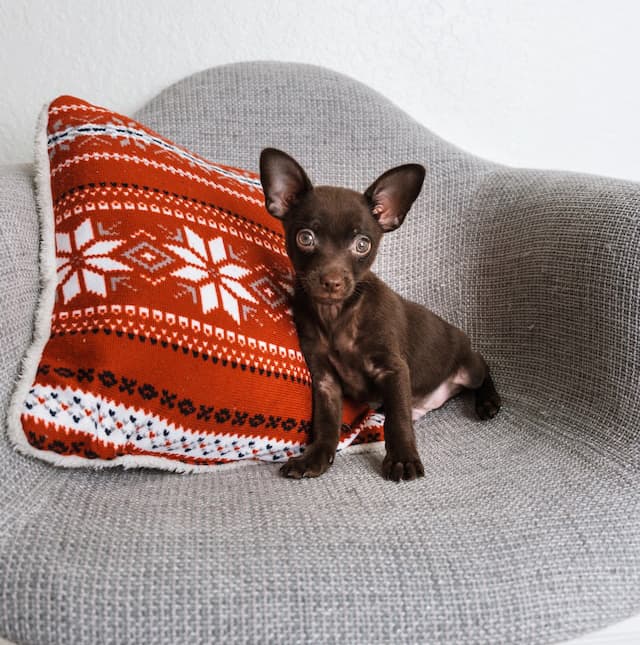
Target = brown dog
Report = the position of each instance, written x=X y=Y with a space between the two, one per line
x=361 y=339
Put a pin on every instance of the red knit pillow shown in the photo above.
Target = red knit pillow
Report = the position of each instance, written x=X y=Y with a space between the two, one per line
x=164 y=335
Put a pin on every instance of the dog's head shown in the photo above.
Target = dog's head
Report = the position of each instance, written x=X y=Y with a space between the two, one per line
x=332 y=234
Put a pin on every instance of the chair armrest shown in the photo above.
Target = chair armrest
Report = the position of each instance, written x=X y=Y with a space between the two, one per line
x=19 y=271
x=553 y=268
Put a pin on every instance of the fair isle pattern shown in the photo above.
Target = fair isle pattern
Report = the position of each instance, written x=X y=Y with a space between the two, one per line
x=204 y=339
x=83 y=262
x=69 y=164
x=218 y=279
x=171 y=340
x=141 y=138
x=130 y=432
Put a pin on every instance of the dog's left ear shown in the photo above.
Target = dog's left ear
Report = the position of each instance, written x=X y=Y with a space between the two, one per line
x=391 y=195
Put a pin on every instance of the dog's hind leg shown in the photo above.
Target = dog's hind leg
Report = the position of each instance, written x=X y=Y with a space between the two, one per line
x=474 y=374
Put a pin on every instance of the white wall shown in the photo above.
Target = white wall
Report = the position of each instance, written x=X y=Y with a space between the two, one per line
x=546 y=83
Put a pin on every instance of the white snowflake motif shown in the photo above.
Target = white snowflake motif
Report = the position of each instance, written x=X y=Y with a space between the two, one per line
x=217 y=277
x=81 y=262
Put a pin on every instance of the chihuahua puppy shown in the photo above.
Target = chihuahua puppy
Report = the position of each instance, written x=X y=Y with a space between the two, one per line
x=361 y=339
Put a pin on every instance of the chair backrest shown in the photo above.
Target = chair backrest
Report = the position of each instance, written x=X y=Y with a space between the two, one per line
x=342 y=133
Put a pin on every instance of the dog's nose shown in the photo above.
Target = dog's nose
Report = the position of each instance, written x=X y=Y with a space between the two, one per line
x=332 y=283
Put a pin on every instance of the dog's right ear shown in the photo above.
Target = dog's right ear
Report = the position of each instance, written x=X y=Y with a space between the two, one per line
x=283 y=180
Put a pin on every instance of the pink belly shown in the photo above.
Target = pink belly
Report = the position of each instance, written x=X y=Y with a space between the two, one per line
x=438 y=397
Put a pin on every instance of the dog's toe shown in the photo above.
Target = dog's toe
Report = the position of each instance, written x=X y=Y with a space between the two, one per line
x=487 y=408
x=397 y=469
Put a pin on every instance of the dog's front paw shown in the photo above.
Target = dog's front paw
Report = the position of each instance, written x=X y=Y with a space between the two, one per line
x=399 y=465
x=312 y=463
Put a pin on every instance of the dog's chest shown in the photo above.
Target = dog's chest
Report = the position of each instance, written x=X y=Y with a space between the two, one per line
x=348 y=361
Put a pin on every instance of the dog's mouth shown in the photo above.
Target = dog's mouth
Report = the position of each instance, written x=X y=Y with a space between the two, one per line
x=321 y=295
x=329 y=300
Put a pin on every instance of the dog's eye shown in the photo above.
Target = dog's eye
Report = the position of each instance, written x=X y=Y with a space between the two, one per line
x=305 y=239
x=361 y=245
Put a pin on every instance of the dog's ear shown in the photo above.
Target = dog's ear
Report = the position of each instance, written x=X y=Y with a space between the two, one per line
x=283 y=180
x=391 y=195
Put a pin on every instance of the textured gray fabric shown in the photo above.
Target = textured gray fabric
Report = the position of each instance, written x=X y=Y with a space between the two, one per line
x=525 y=529
x=18 y=296
x=18 y=269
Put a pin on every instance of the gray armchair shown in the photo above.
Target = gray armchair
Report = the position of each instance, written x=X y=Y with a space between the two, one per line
x=525 y=529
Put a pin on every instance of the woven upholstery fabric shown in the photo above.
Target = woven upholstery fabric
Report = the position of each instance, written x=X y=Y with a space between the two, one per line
x=525 y=529
x=165 y=336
